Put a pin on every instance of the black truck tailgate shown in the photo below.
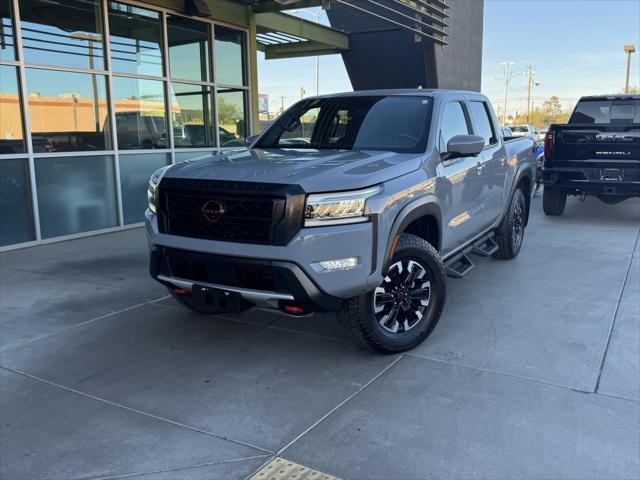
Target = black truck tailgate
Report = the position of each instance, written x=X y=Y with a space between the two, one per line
x=610 y=144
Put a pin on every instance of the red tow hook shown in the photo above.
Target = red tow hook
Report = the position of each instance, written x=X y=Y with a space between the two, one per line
x=181 y=291
x=293 y=310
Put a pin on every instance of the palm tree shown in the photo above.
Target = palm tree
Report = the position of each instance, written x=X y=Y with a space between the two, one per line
x=552 y=105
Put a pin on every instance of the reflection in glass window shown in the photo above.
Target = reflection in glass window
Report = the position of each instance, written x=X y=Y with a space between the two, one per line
x=15 y=202
x=136 y=39
x=232 y=121
x=7 y=42
x=135 y=170
x=140 y=113
x=188 y=48
x=66 y=33
x=11 y=132
x=192 y=119
x=229 y=56
x=67 y=111
x=75 y=194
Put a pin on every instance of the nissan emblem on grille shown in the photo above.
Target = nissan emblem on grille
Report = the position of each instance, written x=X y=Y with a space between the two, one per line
x=212 y=211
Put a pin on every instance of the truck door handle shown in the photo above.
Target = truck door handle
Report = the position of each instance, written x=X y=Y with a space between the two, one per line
x=479 y=168
x=502 y=162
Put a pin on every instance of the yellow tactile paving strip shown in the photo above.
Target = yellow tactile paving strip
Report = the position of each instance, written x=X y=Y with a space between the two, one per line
x=283 y=469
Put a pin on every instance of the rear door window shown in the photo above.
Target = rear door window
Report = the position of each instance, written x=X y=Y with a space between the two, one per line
x=483 y=123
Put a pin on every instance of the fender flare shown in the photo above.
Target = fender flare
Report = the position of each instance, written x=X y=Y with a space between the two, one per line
x=411 y=212
x=524 y=171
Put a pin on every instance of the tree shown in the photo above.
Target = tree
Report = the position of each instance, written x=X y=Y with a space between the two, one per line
x=552 y=105
x=632 y=90
x=228 y=113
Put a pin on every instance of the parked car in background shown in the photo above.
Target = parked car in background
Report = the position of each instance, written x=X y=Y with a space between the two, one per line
x=596 y=153
x=362 y=214
x=523 y=130
x=506 y=132
x=541 y=134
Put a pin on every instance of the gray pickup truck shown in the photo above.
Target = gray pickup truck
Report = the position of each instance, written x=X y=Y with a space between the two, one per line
x=359 y=203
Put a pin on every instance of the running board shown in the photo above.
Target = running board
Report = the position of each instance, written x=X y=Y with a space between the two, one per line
x=459 y=266
x=485 y=247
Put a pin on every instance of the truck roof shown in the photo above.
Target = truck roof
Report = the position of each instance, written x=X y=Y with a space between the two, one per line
x=612 y=96
x=430 y=92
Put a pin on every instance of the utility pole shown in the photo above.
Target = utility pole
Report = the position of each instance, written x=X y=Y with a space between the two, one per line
x=628 y=49
x=507 y=78
x=302 y=92
x=282 y=103
x=530 y=74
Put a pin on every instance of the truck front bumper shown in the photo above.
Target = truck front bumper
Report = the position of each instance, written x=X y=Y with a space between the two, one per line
x=268 y=275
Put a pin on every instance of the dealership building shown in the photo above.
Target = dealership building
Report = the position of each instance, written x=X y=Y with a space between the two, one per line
x=97 y=94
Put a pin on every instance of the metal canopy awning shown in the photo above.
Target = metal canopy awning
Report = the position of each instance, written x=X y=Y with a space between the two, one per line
x=280 y=35
x=425 y=18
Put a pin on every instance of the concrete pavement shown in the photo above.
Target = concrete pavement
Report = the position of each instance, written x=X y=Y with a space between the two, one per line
x=533 y=371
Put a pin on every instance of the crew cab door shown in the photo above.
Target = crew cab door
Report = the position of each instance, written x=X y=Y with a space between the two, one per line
x=461 y=191
x=494 y=170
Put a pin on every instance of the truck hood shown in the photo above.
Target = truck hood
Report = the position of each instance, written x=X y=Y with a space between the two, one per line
x=313 y=170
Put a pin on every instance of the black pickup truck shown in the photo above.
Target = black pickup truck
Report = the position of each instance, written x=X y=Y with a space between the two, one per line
x=596 y=153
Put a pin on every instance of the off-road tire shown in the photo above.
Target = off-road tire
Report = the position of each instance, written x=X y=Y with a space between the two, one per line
x=187 y=301
x=358 y=319
x=505 y=234
x=553 y=201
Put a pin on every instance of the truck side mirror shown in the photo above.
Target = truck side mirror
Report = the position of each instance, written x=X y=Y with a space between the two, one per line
x=464 y=146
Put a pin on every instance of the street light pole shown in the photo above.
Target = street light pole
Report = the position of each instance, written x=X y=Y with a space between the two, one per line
x=317 y=16
x=629 y=49
x=507 y=78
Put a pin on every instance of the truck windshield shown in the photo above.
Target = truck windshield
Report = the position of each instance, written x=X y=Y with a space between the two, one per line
x=615 y=112
x=392 y=123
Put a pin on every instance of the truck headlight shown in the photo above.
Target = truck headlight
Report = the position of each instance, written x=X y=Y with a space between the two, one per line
x=337 y=208
x=152 y=191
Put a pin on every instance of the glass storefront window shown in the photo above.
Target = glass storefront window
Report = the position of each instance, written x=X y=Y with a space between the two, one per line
x=230 y=54
x=7 y=39
x=15 y=202
x=188 y=49
x=192 y=119
x=75 y=194
x=66 y=33
x=67 y=111
x=136 y=40
x=135 y=170
x=140 y=113
x=232 y=119
x=11 y=131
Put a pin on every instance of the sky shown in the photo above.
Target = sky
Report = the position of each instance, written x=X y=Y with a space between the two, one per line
x=574 y=46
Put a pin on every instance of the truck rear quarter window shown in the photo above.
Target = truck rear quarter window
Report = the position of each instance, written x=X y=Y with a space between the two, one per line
x=483 y=123
x=614 y=112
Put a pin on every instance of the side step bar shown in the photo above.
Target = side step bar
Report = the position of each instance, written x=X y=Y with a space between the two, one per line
x=460 y=265
x=485 y=247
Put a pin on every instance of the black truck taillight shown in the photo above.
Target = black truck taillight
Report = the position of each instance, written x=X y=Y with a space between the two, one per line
x=549 y=141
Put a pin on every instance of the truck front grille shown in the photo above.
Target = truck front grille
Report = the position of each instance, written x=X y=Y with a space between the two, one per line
x=233 y=213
